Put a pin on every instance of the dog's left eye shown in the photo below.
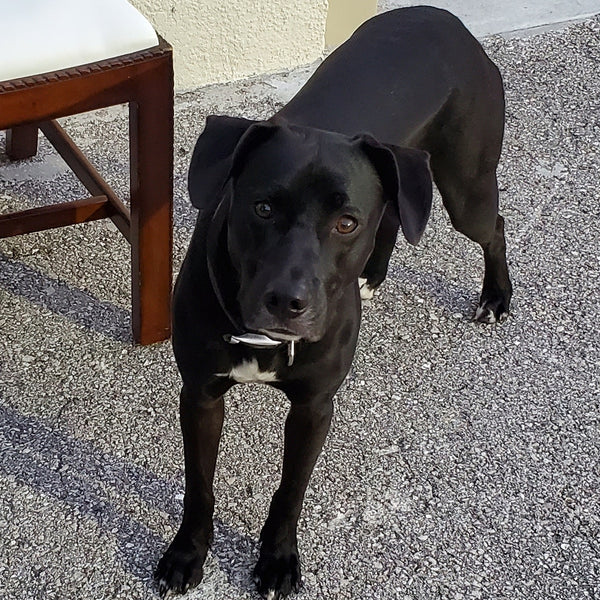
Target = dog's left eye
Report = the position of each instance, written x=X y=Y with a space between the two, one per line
x=263 y=210
x=346 y=224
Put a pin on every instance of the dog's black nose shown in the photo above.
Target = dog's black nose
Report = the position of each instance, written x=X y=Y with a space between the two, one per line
x=284 y=305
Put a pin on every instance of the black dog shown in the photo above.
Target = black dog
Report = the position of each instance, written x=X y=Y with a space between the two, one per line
x=292 y=212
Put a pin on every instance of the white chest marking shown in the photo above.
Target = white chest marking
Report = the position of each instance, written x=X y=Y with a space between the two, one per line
x=249 y=372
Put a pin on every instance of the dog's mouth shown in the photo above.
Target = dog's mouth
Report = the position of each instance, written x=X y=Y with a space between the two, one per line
x=282 y=335
x=283 y=329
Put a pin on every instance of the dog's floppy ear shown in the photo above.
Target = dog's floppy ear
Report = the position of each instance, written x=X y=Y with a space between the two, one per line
x=256 y=135
x=406 y=180
x=211 y=160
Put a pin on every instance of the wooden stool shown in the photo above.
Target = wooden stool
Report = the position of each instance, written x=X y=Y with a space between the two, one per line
x=66 y=57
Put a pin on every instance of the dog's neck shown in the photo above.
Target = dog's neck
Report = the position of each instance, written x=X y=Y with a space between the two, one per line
x=218 y=264
x=258 y=340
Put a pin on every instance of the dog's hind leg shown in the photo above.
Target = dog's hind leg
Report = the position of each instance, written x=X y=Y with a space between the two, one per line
x=495 y=298
x=473 y=207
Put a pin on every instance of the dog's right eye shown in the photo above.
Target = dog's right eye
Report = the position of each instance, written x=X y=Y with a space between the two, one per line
x=263 y=210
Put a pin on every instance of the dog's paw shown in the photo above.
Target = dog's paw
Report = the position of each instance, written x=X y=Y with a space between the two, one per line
x=277 y=575
x=366 y=291
x=180 y=569
x=490 y=313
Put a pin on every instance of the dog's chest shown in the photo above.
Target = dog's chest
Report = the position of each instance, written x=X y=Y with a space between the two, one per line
x=249 y=371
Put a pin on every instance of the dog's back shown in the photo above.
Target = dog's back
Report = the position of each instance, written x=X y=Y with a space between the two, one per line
x=408 y=63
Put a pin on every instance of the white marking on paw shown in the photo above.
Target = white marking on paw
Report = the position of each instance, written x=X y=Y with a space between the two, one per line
x=485 y=315
x=271 y=595
x=164 y=589
x=366 y=291
x=249 y=372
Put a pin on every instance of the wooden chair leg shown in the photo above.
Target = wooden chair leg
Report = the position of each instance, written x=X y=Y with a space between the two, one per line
x=22 y=142
x=151 y=160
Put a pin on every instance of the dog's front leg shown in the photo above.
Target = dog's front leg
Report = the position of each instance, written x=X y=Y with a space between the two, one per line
x=201 y=422
x=278 y=570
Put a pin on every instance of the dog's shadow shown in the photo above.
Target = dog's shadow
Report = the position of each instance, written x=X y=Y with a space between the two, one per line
x=95 y=484
x=449 y=296
x=236 y=554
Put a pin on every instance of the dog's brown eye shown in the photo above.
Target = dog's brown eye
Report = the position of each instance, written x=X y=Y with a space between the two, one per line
x=346 y=224
x=263 y=210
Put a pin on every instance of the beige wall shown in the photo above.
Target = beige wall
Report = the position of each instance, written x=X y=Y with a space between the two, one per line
x=217 y=41
x=225 y=40
x=344 y=17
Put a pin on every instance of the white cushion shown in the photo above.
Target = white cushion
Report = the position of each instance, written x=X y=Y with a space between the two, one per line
x=38 y=36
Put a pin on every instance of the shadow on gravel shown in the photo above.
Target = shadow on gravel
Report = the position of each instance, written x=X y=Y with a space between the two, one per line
x=77 y=305
x=99 y=485
x=450 y=296
x=93 y=483
x=236 y=554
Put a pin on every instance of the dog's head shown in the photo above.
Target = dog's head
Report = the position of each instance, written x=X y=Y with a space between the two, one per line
x=301 y=208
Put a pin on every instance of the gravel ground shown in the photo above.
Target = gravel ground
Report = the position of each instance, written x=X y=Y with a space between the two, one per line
x=463 y=460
